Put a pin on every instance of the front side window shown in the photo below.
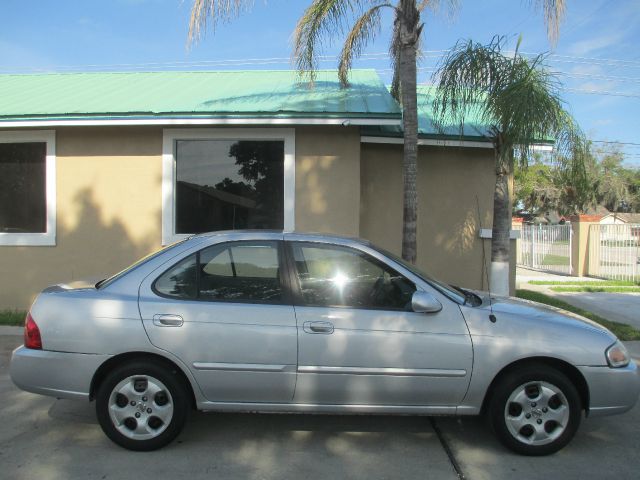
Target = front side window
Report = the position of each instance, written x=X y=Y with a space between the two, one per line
x=26 y=196
x=345 y=277
x=231 y=272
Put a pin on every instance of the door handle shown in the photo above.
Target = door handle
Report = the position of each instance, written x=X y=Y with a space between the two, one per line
x=163 y=320
x=318 y=327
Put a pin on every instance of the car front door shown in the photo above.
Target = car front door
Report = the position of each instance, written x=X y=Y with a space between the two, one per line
x=359 y=341
x=226 y=313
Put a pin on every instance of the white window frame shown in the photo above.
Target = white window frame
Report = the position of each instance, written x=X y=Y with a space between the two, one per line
x=171 y=136
x=47 y=238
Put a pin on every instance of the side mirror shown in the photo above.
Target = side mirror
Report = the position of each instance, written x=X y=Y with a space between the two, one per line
x=423 y=302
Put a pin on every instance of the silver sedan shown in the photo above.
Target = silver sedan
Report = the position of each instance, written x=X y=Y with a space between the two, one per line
x=288 y=322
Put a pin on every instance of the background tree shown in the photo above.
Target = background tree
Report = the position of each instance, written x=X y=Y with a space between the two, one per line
x=612 y=183
x=520 y=102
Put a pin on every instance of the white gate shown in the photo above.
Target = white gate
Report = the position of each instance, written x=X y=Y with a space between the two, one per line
x=545 y=247
x=614 y=251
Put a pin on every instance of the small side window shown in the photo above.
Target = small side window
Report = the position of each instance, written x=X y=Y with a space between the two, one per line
x=179 y=281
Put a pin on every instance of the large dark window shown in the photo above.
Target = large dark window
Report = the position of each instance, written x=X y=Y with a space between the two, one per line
x=333 y=276
x=232 y=272
x=23 y=195
x=229 y=185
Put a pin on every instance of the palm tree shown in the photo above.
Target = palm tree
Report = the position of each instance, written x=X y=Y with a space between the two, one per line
x=520 y=102
x=362 y=19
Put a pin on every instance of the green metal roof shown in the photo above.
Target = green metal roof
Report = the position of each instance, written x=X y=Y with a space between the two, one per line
x=474 y=129
x=255 y=93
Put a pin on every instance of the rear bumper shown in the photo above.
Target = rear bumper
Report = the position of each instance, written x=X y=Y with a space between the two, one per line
x=58 y=374
x=612 y=390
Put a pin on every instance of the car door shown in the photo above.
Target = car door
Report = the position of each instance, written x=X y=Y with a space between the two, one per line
x=225 y=311
x=359 y=342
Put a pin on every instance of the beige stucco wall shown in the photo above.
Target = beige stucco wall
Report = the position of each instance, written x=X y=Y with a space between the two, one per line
x=328 y=180
x=108 y=211
x=455 y=198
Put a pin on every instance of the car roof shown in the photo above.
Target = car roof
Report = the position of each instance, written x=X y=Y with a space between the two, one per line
x=288 y=234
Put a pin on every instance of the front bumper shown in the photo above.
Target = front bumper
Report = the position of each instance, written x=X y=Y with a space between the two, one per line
x=58 y=374
x=612 y=390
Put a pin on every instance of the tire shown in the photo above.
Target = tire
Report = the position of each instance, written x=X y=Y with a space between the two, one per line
x=142 y=405
x=535 y=410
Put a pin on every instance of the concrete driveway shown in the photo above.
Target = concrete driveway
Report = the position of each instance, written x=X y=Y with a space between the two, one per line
x=45 y=438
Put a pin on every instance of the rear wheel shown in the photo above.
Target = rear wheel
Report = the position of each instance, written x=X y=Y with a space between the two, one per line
x=142 y=405
x=536 y=410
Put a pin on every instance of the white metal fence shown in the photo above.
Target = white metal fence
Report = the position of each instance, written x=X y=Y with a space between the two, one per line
x=614 y=251
x=545 y=247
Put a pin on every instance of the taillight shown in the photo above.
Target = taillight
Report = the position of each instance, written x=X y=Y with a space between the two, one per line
x=32 y=333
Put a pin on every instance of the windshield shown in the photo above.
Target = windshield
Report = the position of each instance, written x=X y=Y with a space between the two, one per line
x=456 y=294
x=108 y=281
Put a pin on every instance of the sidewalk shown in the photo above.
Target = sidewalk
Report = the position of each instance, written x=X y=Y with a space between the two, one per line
x=618 y=307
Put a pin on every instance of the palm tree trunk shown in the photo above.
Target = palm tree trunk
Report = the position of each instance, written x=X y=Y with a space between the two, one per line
x=500 y=241
x=409 y=17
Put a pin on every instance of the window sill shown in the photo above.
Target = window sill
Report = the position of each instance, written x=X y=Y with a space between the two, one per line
x=27 y=239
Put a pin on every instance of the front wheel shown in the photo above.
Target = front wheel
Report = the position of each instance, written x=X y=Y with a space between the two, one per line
x=535 y=410
x=141 y=406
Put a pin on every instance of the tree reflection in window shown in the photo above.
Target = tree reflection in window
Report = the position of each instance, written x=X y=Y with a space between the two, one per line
x=180 y=281
x=228 y=185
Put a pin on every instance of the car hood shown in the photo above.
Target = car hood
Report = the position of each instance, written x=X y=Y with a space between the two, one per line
x=538 y=313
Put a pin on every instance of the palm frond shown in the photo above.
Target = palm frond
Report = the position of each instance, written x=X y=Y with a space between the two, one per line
x=553 y=12
x=435 y=5
x=465 y=81
x=364 y=30
x=322 y=21
x=518 y=98
x=207 y=13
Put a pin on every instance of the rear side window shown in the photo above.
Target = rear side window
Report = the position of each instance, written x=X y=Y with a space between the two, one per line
x=231 y=272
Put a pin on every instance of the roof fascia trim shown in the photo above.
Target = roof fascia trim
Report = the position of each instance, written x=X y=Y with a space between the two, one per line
x=425 y=141
x=345 y=121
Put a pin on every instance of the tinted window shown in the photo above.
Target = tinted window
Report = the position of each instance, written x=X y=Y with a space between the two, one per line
x=338 y=276
x=180 y=280
x=235 y=271
x=23 y=204
x=228 y=185
x=240 y=272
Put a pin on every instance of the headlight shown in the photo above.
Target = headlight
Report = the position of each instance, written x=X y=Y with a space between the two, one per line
x=617 y=355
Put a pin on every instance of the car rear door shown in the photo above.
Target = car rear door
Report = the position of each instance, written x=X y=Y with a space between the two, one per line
x=226 y=313
x=360 y=343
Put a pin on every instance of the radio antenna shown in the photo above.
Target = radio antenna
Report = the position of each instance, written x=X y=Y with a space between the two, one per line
x=492 y=317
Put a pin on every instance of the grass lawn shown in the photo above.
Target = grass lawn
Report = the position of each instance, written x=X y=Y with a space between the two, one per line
x=12 y=317
x=555 y=260
x=621 y=330
x=587 y=288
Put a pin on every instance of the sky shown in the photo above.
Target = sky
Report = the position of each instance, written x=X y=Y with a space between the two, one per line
x=596 y=57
